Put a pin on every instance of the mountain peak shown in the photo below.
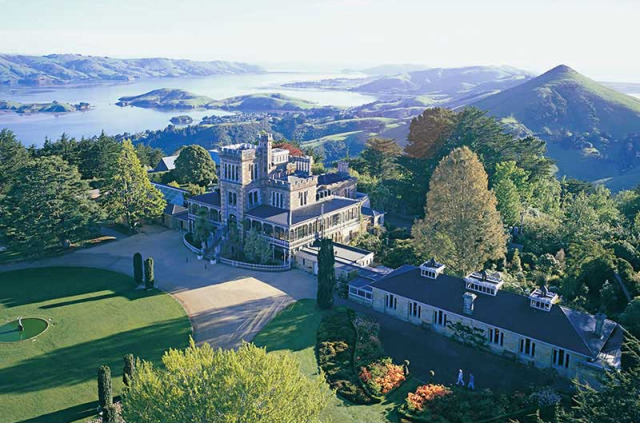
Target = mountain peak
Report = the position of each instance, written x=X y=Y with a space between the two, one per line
x=560 y=70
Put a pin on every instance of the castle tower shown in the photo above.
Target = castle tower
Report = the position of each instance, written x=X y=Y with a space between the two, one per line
x=265 y=145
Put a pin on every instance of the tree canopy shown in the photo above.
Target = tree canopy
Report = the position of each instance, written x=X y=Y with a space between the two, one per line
x=48 y=206
x=225 y=386
x=128 y=195
x=194 y=165
x=461 y=226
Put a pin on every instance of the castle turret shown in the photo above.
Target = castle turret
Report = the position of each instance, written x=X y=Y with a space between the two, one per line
x=265 y=146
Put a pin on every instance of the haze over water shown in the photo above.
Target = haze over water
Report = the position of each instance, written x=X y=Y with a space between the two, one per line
x=105 y=115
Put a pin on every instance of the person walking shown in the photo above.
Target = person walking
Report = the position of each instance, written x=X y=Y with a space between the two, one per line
x=460 y=378
x=471 y=385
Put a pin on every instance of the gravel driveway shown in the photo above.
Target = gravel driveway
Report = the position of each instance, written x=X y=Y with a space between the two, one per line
x=226 y=305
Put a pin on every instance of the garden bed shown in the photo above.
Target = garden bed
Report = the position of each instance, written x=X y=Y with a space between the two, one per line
x=336 y=340
x=438 y=403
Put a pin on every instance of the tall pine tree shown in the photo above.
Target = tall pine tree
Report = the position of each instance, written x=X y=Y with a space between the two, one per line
x=128 y=196
x=326 y=273
x=462 y=226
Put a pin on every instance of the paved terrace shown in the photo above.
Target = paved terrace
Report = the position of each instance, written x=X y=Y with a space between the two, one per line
x=226 y=305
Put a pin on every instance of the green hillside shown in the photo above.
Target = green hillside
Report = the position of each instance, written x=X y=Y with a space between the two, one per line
x=265 y=102
x=593 y=132
x=167 y=98
x=563 y=99
x=53 y=107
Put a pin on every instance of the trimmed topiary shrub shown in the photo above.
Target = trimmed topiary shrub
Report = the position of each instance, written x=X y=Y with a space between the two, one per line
x=105 y=390
x=148 y=273
x=137 y=268
x=129 y=368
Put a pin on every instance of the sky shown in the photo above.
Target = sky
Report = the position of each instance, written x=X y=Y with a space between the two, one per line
x=598 y=38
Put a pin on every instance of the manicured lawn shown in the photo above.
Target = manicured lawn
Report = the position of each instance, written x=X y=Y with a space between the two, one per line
x=96 y=317
x=294 y=329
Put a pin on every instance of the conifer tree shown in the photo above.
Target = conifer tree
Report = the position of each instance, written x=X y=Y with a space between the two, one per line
x=149 y=278
x=194 y=165
x=508 y=201
x=105 y=390
x=461 y=224
x=129 y=369
x=137 y=268
x=128 y=195
x=326 y=273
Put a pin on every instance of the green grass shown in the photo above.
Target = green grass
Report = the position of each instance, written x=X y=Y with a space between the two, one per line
x=96 y=317
x=294 y=330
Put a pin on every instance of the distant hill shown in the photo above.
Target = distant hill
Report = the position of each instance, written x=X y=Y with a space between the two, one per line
x=52 y=107
x=266 y=102
x=177 y=99
x=593 y=132
x=393 y=69
x=59 y=69
x=447 y=82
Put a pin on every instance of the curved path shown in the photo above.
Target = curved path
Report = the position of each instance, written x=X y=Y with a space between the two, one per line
x=226 y=305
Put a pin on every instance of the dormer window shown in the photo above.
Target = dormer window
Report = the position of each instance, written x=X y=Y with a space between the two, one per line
x=484 y=282
x=543 y=299
x=431 y=269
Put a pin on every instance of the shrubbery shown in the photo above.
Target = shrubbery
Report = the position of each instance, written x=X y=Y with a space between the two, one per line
x=335 y=349
x=105 y=391
x=149 y=278
x=382 y=376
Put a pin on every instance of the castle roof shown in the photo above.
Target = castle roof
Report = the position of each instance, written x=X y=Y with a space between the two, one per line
x=280 y=217
x=561 y=326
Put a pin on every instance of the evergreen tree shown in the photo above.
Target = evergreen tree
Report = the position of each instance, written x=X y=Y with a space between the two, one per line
x=137 y=268
x=105 y=391
x=194 y=165
x=110 y=414
x=380 y=156
x=129 y=369
x=326 y=273
x=201 y=384
x=508 y=201
x=631 y=316
x=12 y=157
x=128 y=196
x=429 y=132
x=48 y=206
x=516 y=263
x=149 y=278
x=202 y=228
x=462 y=225
x=256 y=248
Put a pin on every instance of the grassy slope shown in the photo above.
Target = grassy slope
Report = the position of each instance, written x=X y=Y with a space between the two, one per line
x=563 y=98
x=265 y=101
x=96 y=318
x=294 y=330
x=53 y=107
x=167 y=98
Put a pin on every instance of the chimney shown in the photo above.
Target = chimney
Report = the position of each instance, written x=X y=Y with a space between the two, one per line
x=469 y=299
x=343 y=167
x=600 y=318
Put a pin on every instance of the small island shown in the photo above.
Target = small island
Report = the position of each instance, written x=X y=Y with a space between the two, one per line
x=177 y=99
x=182 y=120
x=52 y=107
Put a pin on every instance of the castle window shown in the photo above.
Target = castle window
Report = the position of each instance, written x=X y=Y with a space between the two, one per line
x=496 y=336
x=560 y=358
x=439 y=318
x=390 y=301
x=527 y=347
x=415 y=309
x=233 y=198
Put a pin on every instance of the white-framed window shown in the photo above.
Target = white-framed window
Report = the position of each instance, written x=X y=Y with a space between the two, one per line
x=527 y=347
x=439 y=317
x=560 y=358
x=390 y=301
x=415 y=309
x=496 y=336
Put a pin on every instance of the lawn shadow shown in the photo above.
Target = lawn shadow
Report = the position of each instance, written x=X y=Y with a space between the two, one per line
x=79 y=363
x=32 y=286
x=77 y=412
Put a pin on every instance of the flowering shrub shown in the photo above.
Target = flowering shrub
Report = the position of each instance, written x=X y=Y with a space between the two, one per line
x=544 y=397
x=425 y=393
x=382 y=376
x=369 y=347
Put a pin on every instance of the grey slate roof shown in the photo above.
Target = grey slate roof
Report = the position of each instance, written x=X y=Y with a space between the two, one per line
x=561 y=326
x=174 y=209
x=211 y=198
x=166 y=164
x=368 y=211
x=332 y=178
x=310 y=212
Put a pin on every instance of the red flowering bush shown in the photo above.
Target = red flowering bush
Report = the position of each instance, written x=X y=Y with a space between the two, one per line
x=382 y=376
x=424 y=394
